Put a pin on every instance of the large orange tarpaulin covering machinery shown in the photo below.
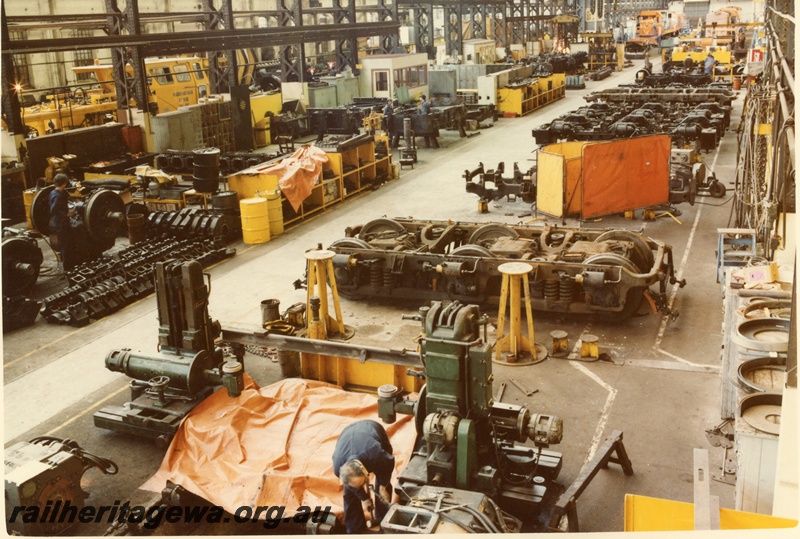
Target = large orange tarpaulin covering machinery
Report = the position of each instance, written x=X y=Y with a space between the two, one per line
x=271 y=446
x=591 y=179
x=298 y=173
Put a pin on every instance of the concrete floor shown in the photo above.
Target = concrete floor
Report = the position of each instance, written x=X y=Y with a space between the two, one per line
x=662 y=389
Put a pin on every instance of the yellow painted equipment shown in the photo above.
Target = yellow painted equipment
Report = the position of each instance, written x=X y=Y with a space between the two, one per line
x=645 y=514
x=261 y=106
x=525 y=99
x=27 y=197
x=698 y=57
x=255 y=220
x=514 y=347
x=249 y=183
x=275 y=210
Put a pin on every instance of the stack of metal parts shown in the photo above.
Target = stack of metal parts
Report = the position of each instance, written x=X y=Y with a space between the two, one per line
x=182 y=162
x=521 y=184
x=691 y=117
x=678 y=74
x=112 y=282
x=192 y=223
x=340 y=143
x=548 y=63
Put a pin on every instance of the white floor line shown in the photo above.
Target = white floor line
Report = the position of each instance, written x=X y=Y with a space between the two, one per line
x=684 y=361
x=601 y=425
x=675 y=288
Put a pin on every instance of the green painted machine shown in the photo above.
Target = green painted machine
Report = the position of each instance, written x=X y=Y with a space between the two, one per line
x=470 y=471
x=188 y=367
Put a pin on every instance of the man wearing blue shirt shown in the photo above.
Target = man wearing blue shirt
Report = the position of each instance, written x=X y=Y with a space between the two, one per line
x=363 y=448
x=60 y=224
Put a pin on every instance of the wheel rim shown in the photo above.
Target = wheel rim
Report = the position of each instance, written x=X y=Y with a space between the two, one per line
x=350 y=243
x=100 y=224
x=378 y=226
x=643 y=255
x=40 y=210
x=611 y=259
x=472 y=250
x=488 y=234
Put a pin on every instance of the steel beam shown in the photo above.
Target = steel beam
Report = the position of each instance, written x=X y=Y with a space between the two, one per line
x=123 y=54
x=346 y=47
x=222 y=64
x=10 y=96
x=453 y=38
x=293 y=55
x=423 y=24
x=259 y=337
x=192 y=42
x=388 y=12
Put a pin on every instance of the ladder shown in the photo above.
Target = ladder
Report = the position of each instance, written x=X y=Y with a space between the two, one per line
x=735 y=247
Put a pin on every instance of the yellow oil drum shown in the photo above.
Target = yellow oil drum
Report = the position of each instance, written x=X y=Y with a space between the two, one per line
x=251 y=182
x=255 y=220
x=275 y=210
x=27 y=198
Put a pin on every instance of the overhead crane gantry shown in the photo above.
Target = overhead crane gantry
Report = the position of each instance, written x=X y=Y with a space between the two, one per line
x=130 y=45
x=510 y=21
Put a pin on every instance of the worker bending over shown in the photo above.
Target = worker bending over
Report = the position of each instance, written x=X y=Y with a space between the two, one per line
x=363 y=448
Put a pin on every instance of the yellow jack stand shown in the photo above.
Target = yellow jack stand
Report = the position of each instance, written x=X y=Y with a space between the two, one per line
x=320 y=270
x=649 y=214
x=560 y=343
x=483 y=205
x=630 y=215
x=515 y=348
x=589 y=347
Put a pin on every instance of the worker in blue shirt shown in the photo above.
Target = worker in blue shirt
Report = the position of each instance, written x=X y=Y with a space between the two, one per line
x=431 y=133
x=708 y=65
x=60 y=223
x=388 y=111
x=425 y=106
x=363 y=448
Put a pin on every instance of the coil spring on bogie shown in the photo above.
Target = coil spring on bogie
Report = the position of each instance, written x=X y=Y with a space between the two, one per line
x=375 y=276
x=551 y=287
x=537 y=290
x=566 y=290
x=388 y=278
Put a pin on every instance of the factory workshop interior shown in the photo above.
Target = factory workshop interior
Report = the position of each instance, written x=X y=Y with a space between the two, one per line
x=283 y=267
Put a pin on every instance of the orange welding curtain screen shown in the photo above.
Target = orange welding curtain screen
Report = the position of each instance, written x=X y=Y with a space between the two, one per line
x=272 y=445
x=625 y=174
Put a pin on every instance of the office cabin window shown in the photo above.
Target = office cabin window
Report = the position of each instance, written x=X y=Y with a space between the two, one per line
x=411 y=76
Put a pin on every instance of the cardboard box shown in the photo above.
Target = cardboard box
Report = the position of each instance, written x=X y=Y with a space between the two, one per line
x=761 y=274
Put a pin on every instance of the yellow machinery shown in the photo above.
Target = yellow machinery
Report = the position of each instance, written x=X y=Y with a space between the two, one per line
x=523 y=99
x=679 y=54
x=173 y=83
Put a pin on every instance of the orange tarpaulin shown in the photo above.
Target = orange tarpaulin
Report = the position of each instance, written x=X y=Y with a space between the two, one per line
x=271 y=446
x=298 y=173
x=624 y=175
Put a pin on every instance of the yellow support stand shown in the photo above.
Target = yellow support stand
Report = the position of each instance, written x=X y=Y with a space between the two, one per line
x=589 y=346
x=515 y=348
x=320 y=272
x=649 y=214
x=560 y=343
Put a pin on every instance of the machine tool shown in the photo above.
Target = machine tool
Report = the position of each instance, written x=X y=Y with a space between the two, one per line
x=469 y=470
x=43 y=484
x=22 y=260
x=99 y=219
x=188 y=367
